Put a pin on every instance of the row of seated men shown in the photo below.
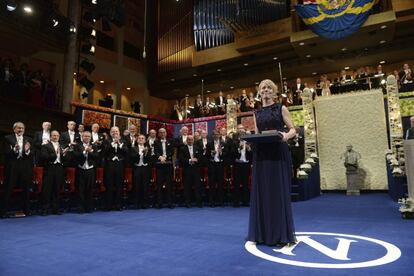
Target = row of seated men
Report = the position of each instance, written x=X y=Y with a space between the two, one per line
x=89 y=150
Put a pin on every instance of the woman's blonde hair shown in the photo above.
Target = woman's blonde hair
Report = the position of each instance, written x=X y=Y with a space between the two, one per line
x=272 y=85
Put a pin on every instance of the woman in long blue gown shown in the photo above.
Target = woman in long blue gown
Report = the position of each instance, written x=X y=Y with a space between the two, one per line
x=271 y=220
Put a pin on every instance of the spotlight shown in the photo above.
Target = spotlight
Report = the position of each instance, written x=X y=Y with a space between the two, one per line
x=11 y=5
x=28 y=9
x=72 y=28
x=55 y=22
x=94 y=2
x=85 y=82
x=87 y=66
x=93 y=33
x=88 y=48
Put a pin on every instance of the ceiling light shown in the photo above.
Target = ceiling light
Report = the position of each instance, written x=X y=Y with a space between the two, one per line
x=231 y=87
x=128 y=88
x=55 y=22
x=308 y=56
x=275 y=58
x=11 y=5
x=92 y=49
x=382 y=41
x=28 y=9
x=172 y=79
x=94 y=2
x=93 y=33
x=246 y=64
x=314 y=73
x=344 y=49
x=208 y=91
x=302 y=43
x=72 y=29
x=194 y=75
x=346 y=67
x=102 y=81
x=219 y=70
x=382 y=62
x=383 y=27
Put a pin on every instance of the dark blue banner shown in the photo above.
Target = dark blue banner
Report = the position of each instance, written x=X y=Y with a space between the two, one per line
x=335 y=19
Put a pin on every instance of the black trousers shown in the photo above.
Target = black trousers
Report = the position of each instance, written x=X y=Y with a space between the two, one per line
x=241 y=182
x=192 y=180
x=114 y=181
x=86 y=180
x=19 y=173
x=216 y=182
x=141 y=183
x=54 y=177
x=164 y=176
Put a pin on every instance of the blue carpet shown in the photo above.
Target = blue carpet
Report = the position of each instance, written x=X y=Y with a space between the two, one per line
x=201 y=241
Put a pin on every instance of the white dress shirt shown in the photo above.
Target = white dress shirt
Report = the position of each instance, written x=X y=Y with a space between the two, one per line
x=164 y=147
x=243 y=152
x=45 y=137
x=71 y=136
x=216 y=149
x=19 y=139
x=56 y=146
x=86 y=165
x=190 y=149
x=141 y=155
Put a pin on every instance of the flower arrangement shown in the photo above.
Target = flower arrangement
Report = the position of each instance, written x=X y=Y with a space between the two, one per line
x=305 y=168
x=395 y=164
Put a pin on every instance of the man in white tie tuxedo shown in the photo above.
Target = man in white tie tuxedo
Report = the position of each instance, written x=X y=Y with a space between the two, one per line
x=68 y=139
x=189 y=161
x=139 y=155
x=86 y=157
x=18 y=167
x=53 y=156
x=164 y=151
x=114 y=152
x=40 y=138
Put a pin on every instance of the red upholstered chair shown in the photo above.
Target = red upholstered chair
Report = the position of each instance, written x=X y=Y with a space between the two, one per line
x=204 y=177
x=70 y=179
x=100 y=180
x=1 y=177
x=228 y=178
x=128 y=179
x=179 y=181
x=37 y=179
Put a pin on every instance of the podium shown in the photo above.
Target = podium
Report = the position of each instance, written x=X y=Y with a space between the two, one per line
x=263 y=138
x=409 y=165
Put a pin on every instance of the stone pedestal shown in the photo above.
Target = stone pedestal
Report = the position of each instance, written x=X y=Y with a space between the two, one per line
x=352 y=187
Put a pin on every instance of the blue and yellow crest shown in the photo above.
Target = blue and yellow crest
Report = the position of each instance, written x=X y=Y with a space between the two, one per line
x=335 y=19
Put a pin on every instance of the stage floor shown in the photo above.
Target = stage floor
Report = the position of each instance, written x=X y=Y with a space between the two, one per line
x=210 y=241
